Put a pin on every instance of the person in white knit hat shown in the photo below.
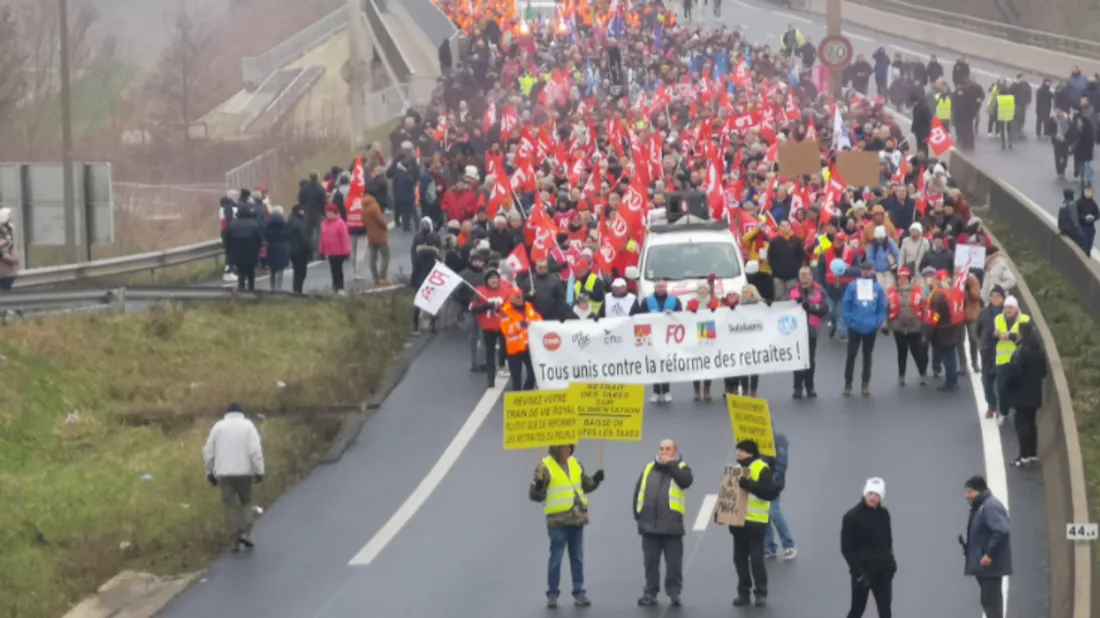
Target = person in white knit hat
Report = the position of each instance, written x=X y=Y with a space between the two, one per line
x=867 y=543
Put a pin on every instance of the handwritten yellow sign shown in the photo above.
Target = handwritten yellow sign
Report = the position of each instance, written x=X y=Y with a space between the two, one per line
x=536 y=419
x=751 y=420
x=609 y=411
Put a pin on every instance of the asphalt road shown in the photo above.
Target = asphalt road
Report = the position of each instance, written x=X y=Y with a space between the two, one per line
x=1029 y=166
x=434 y=513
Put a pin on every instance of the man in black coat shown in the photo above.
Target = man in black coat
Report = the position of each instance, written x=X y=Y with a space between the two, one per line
x=748 y=540
x=659 y=511
x=243 y=238
x=867 y=543
x=960 y=73
x=1024 y=376
x=1044 y=103
x=922 y=121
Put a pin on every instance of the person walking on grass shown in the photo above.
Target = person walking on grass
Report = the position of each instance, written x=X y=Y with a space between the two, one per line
x=335 y=245
x=234 y=460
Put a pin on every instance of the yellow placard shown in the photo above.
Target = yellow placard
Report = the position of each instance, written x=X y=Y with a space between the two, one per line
x=609 y=411
x=751 y=420
x=536 y=419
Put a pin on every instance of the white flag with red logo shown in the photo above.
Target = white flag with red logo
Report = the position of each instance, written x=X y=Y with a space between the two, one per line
x=437 y=288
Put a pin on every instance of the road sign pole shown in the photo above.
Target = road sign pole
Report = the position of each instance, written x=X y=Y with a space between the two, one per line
x=833 y=27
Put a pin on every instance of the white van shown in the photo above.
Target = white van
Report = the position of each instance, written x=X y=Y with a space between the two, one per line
x=686 y=253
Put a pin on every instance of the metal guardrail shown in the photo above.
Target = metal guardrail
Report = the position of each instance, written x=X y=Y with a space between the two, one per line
x=386 y=42
x=288 y=98
x=432 y=21
x=1035 y=38
x=255 y=69
x=124 y=265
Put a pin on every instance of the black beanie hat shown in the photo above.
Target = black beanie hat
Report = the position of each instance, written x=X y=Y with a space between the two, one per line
x=749 y=446
x=977 y=483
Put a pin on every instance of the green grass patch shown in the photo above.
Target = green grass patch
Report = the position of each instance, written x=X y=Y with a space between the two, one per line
x=1075 y=336
x=122 y=487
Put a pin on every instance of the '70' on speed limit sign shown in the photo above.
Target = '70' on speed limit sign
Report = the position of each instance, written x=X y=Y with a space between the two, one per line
x=835 y=51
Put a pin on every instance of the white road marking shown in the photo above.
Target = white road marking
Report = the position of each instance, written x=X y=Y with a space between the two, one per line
x=435 y=476
x=992 y=449
x=706 y=513
x=798 y=18
x=859 y=37
x=750 y=7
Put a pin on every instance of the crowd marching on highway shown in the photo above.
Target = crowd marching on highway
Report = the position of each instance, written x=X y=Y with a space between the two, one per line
x=562 y=159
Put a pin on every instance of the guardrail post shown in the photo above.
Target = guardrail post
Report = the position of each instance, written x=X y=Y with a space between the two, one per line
x=118 y=300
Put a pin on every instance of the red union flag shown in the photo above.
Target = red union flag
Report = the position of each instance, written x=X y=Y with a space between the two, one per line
x=939 y=140
x=436 y=288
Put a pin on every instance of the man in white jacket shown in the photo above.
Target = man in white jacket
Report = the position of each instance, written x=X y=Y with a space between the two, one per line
x=234 y=461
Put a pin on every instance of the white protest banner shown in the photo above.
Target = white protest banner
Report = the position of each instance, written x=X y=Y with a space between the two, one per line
x=671 y=347
x=437 y=287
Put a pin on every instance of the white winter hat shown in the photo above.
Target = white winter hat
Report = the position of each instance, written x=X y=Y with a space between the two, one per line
x=1012 y=302
x=917 y=226
x=880 y=232
x=875 y=486
x=619 y=282
x=471 y=172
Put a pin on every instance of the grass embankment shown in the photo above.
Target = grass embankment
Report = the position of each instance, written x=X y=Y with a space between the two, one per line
x=121 y=485
x=1077 y=340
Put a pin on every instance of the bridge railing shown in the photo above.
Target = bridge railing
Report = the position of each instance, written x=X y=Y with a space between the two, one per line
x=255 y=69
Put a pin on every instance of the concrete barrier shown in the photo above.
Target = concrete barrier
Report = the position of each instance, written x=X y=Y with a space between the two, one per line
x=1071 y=572
x=967 y=43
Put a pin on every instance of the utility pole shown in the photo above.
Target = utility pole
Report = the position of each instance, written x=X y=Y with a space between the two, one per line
x=834 y=27
x=356 y=74
x=72 y=245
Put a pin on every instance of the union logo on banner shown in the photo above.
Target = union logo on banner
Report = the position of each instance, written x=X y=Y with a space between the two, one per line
x=643 y=335
x=707 y=330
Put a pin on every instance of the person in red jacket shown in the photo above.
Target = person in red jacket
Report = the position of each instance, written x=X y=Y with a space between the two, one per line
x=490 y=297
x=703 y=300
x=460 y=200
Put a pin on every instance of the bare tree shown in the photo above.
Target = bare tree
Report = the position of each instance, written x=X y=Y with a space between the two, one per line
x=179 y=80
x=12 y=60
x=36 y=125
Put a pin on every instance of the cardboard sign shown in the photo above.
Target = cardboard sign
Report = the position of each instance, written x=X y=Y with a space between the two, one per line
x=609 y=411
x=536 y=419
x=859 y=168
x=799 y=159
x=752 y=420
x=733 y=501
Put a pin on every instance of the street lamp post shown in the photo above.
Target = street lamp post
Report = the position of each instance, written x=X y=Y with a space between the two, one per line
x=71 y=245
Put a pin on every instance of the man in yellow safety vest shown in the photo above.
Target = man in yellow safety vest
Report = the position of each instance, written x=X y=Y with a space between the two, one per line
x=748 y=540
x=562 y=485
x=659 y=511
x=1006 y=330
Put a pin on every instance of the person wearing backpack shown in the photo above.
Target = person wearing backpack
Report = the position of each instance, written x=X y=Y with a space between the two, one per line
x=945 y=320
x=777 y=522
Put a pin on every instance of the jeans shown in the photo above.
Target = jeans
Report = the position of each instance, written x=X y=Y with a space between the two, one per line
x=404 y=214
x=992 y=597
x=379 y=254
x=276 y=280
x=882 y=588
x=836 y=293
x=989 y=385
x=858 y=342
x=778 y=521
x=1088 y=237
x=950 y=366
x=1026 y=432
x=517 y=364
x=1084 y=170
x=1061 y=157
x=748 y=560
x=562 y=538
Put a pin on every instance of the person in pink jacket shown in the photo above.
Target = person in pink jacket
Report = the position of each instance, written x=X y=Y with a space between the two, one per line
x=335 y=244
x=812 y=297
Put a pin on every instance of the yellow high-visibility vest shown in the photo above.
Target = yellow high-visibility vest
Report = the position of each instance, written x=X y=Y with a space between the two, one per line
x=563 y=490
x=943 y=107
x=589 y=286
x=526 y=83
x=675 y=494
x=757 y=510
x=1005 y=347
x=1006 y=108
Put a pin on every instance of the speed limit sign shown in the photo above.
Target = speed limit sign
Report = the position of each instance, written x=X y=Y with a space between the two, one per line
x=835 y=51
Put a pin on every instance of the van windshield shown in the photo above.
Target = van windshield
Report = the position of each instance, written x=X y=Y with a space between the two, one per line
x=694 y=260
